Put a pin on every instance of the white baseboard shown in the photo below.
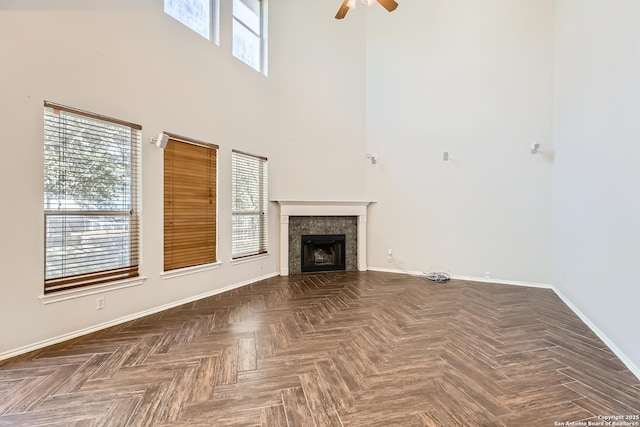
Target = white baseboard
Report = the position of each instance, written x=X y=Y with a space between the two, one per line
x=36 y=346
x=503 y=282
x=623 y=358
x=467 y=278
x=387 y=270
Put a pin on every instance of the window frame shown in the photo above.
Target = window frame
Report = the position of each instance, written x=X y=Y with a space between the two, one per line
x=85 y=279
x=262 y=212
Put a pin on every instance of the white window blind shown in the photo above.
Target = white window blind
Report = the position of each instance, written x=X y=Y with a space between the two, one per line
x=91 y=198
x=249 y=205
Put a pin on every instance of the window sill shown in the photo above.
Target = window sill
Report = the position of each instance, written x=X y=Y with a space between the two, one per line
x=189 y=270
x=90 y=290
x=249 y=259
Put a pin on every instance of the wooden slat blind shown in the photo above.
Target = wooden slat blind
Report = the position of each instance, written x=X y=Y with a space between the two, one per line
x=91 y=198
x=190 y=204
x=249 y=205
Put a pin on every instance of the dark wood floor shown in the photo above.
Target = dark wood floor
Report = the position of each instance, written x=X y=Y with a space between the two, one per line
x=352 y=349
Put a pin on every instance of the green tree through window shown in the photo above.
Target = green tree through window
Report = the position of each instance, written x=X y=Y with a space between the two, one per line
x=91 y=198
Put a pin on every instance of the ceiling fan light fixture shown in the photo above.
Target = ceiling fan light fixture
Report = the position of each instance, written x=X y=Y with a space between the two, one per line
x=347 y=5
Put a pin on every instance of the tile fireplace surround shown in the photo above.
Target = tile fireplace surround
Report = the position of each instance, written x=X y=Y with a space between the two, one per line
x=322 y=208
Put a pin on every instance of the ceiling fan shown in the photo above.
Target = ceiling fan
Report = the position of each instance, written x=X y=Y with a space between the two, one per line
x=390 y=5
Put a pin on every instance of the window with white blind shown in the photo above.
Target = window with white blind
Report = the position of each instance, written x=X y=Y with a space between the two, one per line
x=249 y=33
x=249 y=205
x=91 y=198
x=190 y=203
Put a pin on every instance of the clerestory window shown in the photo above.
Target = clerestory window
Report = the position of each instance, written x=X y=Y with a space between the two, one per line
x=249 y=33
x=199 y=15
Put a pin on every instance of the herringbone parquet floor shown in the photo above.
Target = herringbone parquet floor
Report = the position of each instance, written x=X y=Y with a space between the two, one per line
x=352 y=349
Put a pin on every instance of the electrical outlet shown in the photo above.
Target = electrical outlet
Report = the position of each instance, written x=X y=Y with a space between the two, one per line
x=389 y=255
x=99 y=303
x=487 y=275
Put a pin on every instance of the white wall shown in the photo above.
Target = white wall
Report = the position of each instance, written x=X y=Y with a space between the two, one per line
x=475 y=79
x=596 y=181
x=129 y=60
x=319 y=72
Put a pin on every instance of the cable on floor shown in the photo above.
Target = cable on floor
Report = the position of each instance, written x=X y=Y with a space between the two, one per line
x=438 y=277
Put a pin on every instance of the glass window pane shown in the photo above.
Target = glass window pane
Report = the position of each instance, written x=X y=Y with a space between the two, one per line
x=195 y=14
x=91 y=171
x=250 y=203
x=254 y=5
x=246 y=45
x=79 y=244
x=249 y=15
x=87 y=164
x=247 y=232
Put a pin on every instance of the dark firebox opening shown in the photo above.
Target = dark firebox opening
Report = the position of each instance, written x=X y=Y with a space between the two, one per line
x=325 y=252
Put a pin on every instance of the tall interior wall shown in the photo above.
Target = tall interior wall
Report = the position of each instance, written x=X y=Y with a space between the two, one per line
x=596 y=180
x=129 y=60
x=473 y=79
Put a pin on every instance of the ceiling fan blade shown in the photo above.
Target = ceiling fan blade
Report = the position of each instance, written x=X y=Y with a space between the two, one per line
x=342 y=12
x=390 y=5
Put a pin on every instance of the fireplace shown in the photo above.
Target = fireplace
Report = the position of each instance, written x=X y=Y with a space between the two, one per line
x=322 y=252
x=306 y=217
x=326 y=237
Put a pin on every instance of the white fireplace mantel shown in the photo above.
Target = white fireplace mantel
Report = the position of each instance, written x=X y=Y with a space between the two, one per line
x=322 y=208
